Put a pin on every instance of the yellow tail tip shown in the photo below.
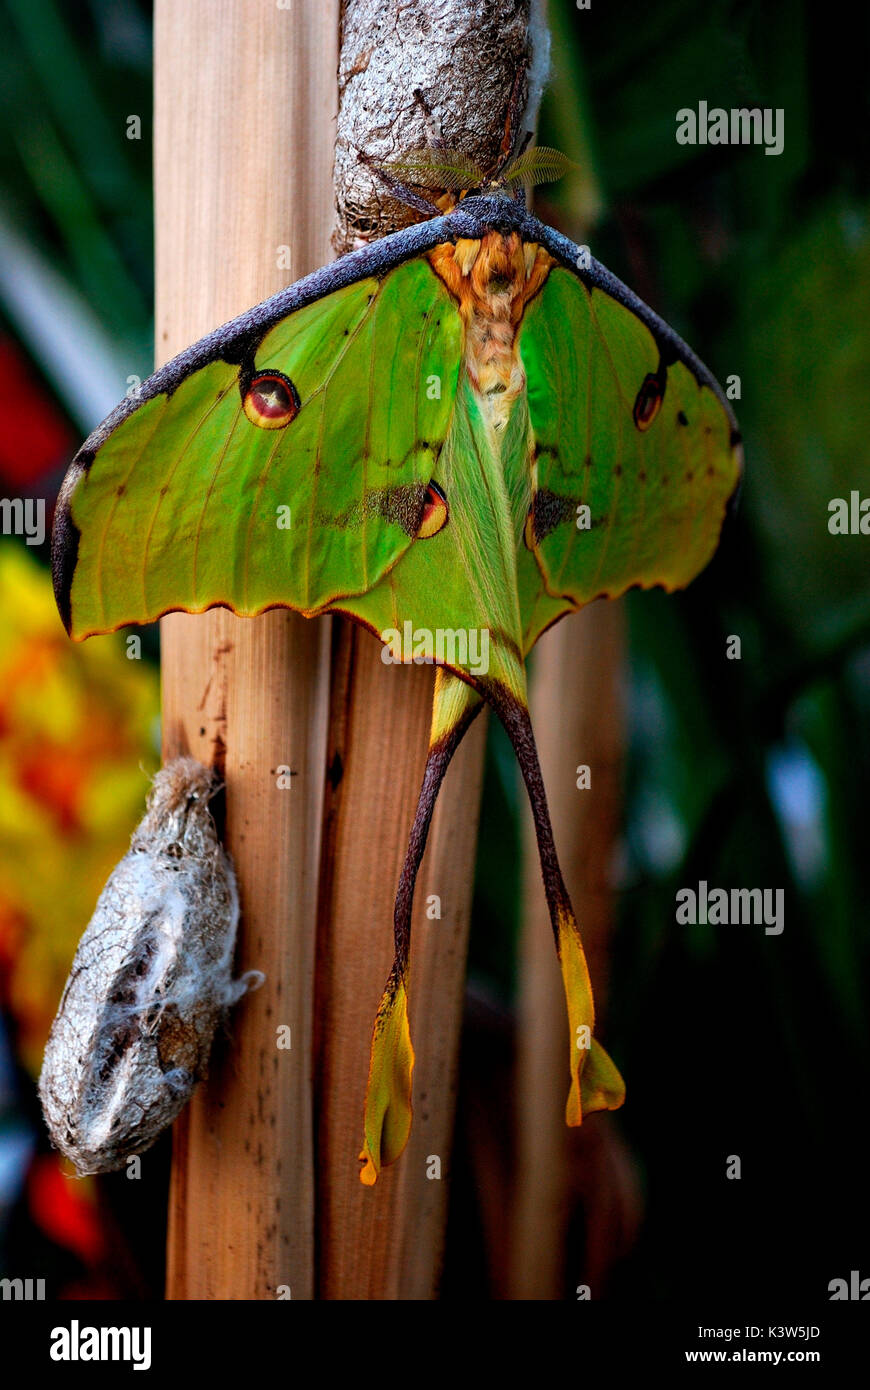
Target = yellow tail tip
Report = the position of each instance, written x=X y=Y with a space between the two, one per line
x=369 y=1174
x=598 y=1086
x=595 y=1080
x=388 y=1095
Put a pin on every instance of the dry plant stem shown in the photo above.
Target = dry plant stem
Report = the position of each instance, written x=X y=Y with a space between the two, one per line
x=244 y=131
x=575 y=701
x=386 y=1242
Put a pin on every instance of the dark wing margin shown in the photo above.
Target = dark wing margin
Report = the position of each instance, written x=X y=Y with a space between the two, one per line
x=232 y=343
x=236 y=340
x=504 y=215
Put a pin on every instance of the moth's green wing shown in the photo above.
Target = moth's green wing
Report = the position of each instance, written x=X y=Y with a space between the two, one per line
x=187 y=503
x=455 y=593
x=633 y=458
x=623 y=426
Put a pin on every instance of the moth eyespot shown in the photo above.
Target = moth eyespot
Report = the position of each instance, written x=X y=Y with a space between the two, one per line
x=435 y=513
x=271 y=401
x=529 y=529
x=648 y=402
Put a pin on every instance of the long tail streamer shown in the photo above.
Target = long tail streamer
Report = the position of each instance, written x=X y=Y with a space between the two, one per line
x=595 y=1082
x=388 y=1096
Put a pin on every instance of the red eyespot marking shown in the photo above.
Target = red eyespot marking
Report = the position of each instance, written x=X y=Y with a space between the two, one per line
x=271 y=401
x=649 y=401
x=435 y=513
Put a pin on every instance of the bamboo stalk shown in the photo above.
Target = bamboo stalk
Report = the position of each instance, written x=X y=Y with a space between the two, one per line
x=577 y=715
x=386 y=1242
x=245 y=99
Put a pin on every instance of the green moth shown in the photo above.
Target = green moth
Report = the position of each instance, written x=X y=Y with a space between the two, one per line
x=476 y=429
